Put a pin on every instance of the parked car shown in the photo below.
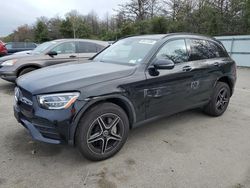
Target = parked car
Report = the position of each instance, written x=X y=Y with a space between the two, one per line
x=49 y=53
x=13 y=47
x=3 y=50
x=94 y=105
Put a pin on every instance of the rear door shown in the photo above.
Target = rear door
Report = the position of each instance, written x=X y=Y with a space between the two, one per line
x=199 y=60
x=86 y=50
x=66 y=52
x=218 y=61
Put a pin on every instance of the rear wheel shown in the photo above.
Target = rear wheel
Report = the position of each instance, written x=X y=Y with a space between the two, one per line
x=102 y=131
x=26 y=70
x=219 y=100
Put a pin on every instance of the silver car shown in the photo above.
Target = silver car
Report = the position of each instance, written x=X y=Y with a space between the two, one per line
x=49 y=53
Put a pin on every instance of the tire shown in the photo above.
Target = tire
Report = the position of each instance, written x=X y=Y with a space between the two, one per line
x=26 y=70
x=102 y=131
x=219 y=100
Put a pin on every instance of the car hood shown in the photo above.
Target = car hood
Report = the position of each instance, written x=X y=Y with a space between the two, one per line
x=16 y=56
x=72 y=77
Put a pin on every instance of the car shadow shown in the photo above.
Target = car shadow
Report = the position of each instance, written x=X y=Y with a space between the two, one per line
x=21 y=143
x=174 y=123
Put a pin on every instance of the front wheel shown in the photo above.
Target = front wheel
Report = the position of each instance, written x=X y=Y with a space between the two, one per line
x=219 y=100
x=102 y=131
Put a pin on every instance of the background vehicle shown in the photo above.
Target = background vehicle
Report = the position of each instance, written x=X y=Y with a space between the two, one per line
x=23 y=52
x=136 y=79
x=3 y=50
x=13 y=47
x=49 y=53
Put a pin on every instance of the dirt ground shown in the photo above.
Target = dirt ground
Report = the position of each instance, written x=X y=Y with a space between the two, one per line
x=187 y=150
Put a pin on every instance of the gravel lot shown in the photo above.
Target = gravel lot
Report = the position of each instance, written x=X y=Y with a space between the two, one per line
x=187 y=150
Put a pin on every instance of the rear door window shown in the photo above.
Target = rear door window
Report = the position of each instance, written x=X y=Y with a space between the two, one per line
x=199 y=49
x=30 y=45
x=86 y=47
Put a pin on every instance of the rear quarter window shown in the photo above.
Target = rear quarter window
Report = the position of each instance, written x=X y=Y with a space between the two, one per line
x=87 y=47
x=216 y=51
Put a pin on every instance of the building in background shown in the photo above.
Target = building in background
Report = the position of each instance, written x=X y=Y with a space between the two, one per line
x=238 y=48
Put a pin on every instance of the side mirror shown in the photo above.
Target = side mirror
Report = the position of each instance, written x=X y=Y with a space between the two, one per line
x=163 y=64
x=52 y=53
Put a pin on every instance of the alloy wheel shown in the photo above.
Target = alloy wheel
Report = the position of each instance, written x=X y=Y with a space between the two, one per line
x=222 y=99
x=105 y=133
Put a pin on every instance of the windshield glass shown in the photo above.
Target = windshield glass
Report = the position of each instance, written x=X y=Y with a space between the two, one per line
x=43 y=47
x=129 y=50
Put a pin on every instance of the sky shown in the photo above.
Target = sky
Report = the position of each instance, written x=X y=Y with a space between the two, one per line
x=14 y=13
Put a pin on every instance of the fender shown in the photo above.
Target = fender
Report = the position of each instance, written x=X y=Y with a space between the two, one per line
x=27 y=66
x=92 y=101
x=227 y=78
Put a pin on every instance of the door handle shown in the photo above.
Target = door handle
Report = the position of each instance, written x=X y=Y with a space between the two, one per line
x=72 y=56
x=217 y=64
x=187 y=69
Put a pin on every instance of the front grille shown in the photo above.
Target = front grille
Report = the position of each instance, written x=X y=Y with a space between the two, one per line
x=27 y=95
x=44 y=126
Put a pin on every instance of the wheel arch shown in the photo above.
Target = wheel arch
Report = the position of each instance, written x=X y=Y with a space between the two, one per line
x=120 y=101
x=27 y=66
x=227 y=80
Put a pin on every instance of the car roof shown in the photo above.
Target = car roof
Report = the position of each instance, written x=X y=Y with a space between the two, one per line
x=161 y=36
x=104 y=43
x=154 y=36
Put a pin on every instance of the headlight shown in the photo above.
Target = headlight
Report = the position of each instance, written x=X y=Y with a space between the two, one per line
x=9 y=62
x=57 y=101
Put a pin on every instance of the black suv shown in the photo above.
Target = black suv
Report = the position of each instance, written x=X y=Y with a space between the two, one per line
x=94 y=105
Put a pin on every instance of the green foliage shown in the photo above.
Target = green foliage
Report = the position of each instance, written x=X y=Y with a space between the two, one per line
x=66 y=29
x=82 y=30
x=109 y=35
x=159 y=25
x=41 y=32
x=126 y=29
x=246 y=17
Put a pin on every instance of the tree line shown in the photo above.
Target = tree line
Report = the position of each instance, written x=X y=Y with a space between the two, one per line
x=210 y=17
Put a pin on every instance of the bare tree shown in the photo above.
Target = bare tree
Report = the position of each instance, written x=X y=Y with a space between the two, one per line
x=73 y=17
x=92 y=20
x=154 y=8
x=171 y=8
x=137 y=9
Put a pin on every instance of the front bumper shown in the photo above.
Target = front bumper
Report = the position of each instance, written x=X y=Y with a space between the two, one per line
x=50 y=126
x=38 y=131
x=8 y=76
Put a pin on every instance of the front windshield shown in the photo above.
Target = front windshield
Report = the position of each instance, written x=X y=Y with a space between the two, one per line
x=129 y=50
x=43 y=47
